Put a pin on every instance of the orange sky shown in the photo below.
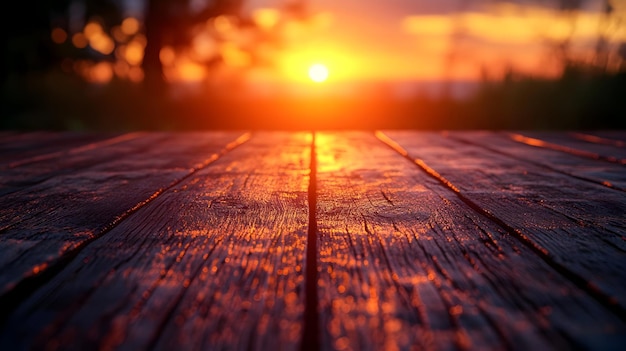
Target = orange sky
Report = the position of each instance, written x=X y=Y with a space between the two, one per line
x=393 y=41
x=361 y=41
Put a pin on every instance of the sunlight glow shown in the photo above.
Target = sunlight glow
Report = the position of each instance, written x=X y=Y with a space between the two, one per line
x=98 y=39
x=130 y=26
x=266 y=18
x=225 y=24
x=134 y=52
x=318 y=73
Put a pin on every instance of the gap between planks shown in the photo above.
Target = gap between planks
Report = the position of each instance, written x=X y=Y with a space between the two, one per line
x=526 y=140
x=77 y=150
x=598 y=140
x=604 y=183
x=25 y=287
x=311 y=331
x=606 y=300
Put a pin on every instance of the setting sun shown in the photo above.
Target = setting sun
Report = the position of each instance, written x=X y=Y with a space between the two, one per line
x=318 y=73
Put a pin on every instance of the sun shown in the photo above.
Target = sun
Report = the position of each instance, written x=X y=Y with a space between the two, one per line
x=318 y=73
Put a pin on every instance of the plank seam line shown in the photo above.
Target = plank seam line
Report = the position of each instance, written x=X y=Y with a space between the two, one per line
x=62 y=172
x=78 y=149
x=607 y=301
x=522 y=139
x=538 y=164
x=30 y=283
x=598 y=140
x=310 y=339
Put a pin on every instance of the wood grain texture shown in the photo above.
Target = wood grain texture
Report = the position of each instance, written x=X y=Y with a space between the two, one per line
x=29 y=174
x=189 y=241
x=19 y=147
x=7 y=134
x=52 y=207
x=573 y=224
x=405 y=264
x=617 y=135
x=215 y=262
x=96 y=143
x=603 y=173
x=614 y=138
x=566 y=143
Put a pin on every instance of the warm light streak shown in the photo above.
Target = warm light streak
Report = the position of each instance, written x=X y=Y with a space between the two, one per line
x=327 y=161
x=547 y=145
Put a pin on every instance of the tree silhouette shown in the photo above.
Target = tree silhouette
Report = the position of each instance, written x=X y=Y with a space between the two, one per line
x=168 y=22
x=28 y=46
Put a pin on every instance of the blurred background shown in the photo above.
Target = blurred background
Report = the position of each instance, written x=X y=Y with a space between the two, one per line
x=123 y=65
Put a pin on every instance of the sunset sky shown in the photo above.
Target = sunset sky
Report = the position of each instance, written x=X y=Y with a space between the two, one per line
x=406 y=40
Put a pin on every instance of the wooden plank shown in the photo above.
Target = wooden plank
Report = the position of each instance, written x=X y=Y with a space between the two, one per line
x=97 y=142
x=565 y=143
x=28 y=138
x=28 y=145
x=7 y=134
x=603 y=173
x=75 y=200
x=405 y=264
x=617 y=139
x=29 y=174
x=615 y=136
x=214 y=263
x=574 y=225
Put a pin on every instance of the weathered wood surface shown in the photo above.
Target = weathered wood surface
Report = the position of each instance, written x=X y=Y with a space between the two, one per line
x=405 y=262
x=275 y=240
x=565 y=143
x=22 y=148
x=572 y=224
x=601 y=137
x=221 y=250
x=51 y=208
x=604 y=173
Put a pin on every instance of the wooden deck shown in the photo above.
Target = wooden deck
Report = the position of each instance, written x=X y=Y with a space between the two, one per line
x=391 y=240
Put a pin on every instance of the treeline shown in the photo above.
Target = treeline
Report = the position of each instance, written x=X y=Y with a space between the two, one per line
x=577 y=100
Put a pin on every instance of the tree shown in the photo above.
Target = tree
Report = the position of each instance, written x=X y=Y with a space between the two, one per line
x=168 y=22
